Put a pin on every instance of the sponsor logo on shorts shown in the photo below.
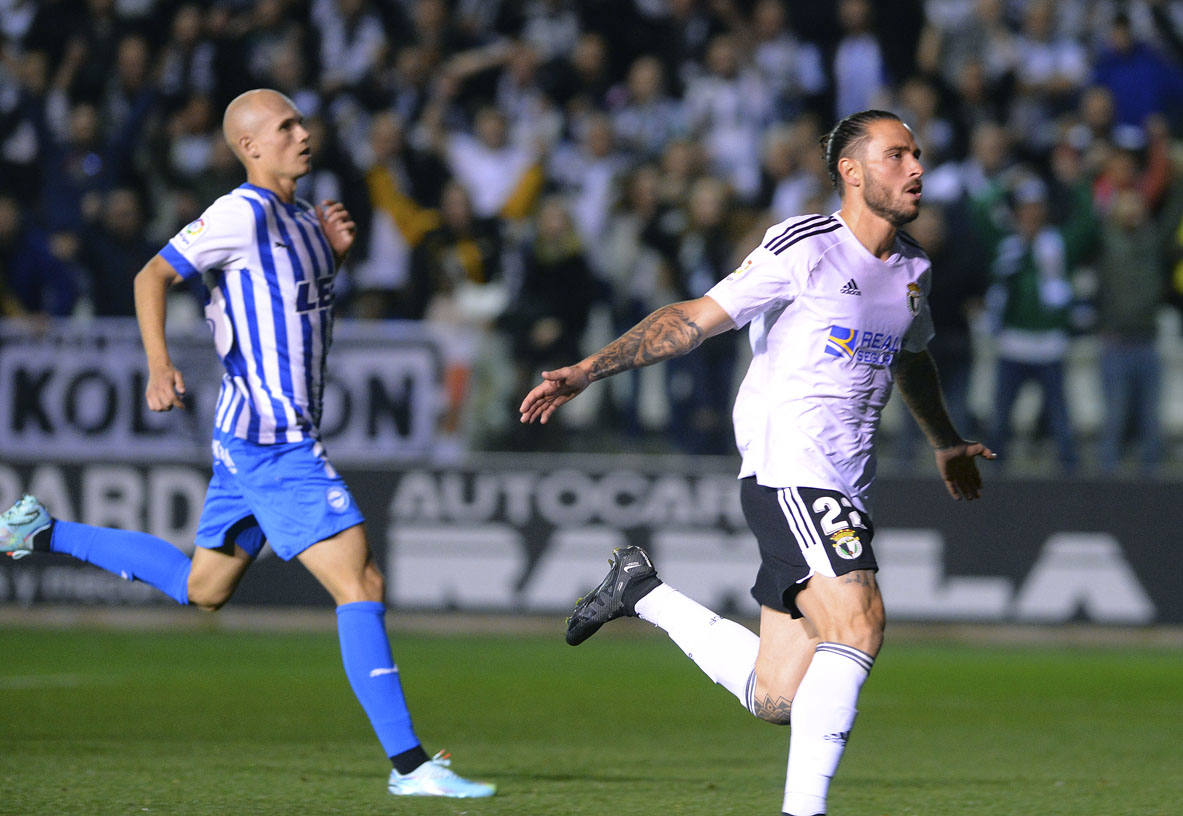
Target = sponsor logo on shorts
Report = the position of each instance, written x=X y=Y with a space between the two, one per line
x=847 y=544
x=222 y=455
x=338 y=499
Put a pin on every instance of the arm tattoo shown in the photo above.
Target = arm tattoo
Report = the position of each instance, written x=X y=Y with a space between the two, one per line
x=916 y=377
x=773 y=711
x=666 y=333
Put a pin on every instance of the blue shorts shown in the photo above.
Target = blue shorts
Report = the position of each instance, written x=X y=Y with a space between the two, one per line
x=286 y=495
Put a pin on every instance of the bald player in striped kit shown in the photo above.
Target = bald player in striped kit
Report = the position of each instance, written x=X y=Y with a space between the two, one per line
x=266 y=262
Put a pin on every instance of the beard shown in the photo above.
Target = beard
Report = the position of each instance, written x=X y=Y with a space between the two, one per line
x=878 y=201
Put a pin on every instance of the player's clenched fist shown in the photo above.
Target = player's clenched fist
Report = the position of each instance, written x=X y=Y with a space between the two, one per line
x=338 y=226
x=165 y=387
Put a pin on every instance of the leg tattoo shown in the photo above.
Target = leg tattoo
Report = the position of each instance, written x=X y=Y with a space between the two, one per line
x=773 y=711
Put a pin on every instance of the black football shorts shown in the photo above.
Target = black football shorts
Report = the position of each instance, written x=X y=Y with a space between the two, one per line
x=802 y=532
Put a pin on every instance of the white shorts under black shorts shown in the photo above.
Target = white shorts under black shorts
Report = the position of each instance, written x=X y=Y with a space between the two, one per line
x=802 y=532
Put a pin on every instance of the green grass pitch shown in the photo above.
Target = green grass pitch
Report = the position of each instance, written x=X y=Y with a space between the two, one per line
x=214 y=722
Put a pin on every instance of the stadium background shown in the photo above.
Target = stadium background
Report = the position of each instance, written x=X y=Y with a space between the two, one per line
x=110 y=143
x=1032 y=658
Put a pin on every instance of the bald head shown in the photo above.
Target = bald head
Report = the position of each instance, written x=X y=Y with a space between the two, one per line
x=267 y=134
x=248 y=112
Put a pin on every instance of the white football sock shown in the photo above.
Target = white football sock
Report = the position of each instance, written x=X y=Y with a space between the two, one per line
x=722 y=648
x=821 y=718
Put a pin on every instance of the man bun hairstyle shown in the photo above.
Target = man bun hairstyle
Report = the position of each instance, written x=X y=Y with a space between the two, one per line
x=845 y=137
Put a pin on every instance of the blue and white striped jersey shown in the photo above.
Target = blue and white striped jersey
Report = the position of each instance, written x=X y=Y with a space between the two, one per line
x=268 y=270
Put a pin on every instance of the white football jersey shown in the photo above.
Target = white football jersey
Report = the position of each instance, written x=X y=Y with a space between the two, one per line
x=826 y=319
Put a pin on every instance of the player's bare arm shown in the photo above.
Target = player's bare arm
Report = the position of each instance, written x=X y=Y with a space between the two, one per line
x=669 y=332
x=916 y=378
x=338 y=226
x=165 y=383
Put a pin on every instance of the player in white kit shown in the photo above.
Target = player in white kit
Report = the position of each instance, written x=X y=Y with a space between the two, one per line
x=837 y=312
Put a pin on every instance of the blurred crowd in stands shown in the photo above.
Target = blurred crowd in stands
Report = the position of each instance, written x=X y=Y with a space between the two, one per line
x=531 y=177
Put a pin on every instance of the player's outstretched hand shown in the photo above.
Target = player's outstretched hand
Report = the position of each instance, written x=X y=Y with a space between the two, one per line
x=960 y=471
x=338 y=227
x=165 y=388
x=558 y=386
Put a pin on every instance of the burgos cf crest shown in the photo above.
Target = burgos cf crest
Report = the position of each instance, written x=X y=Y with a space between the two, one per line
x=914 y=299
x=847 y=544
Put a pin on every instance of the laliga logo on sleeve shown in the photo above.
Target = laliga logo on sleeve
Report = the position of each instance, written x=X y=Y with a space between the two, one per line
x=190 y=232
x=741 y=269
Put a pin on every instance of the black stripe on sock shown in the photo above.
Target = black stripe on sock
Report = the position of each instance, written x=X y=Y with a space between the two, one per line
x=849 y=652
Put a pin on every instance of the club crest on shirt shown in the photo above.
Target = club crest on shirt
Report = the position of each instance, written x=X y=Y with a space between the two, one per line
x=847 y=544
x=915 y=298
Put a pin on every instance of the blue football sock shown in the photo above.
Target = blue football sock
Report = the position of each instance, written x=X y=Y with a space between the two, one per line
x=365 y=651
x=132 y=555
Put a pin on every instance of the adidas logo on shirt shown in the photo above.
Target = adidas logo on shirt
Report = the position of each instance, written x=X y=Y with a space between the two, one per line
x=851 y=288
